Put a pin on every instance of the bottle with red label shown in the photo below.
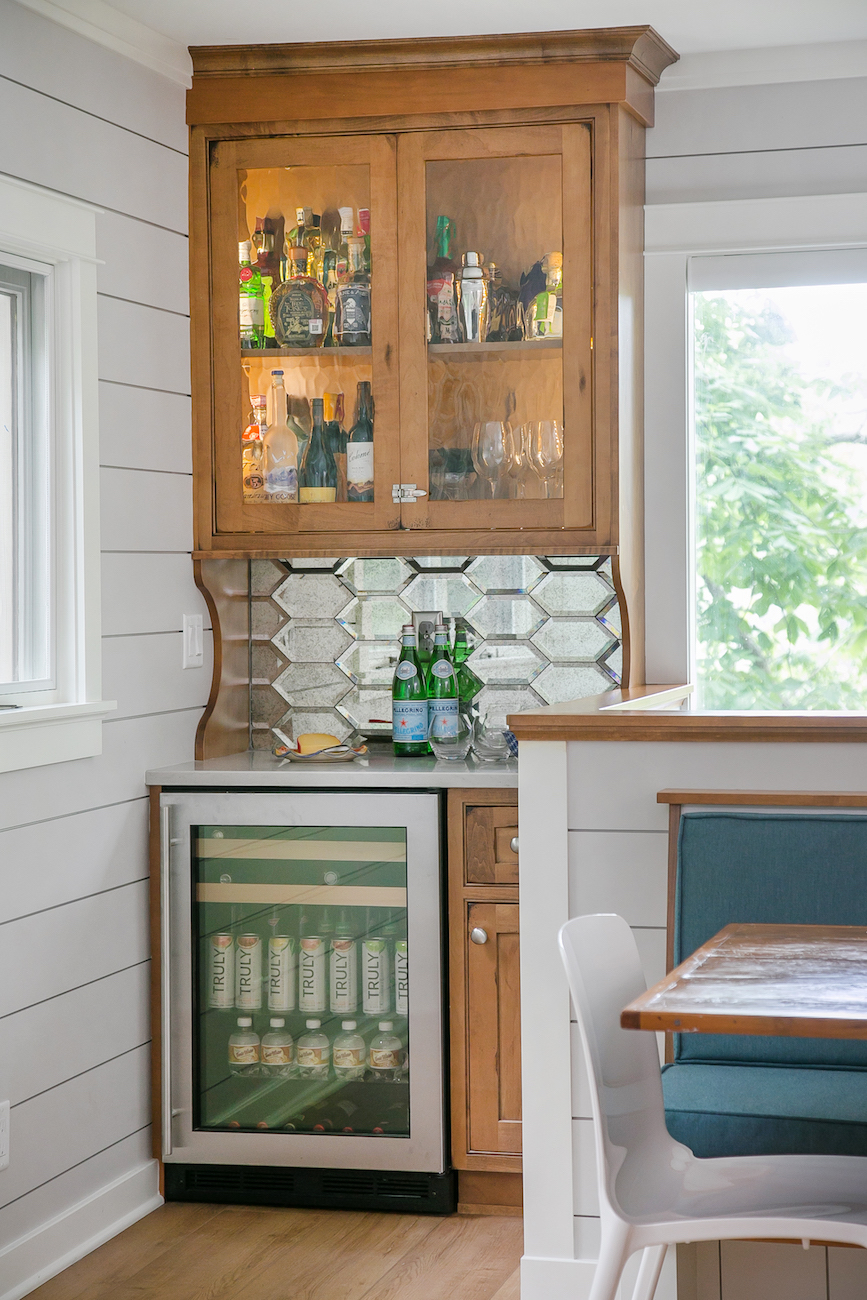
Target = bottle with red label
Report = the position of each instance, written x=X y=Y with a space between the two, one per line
x=251 y=295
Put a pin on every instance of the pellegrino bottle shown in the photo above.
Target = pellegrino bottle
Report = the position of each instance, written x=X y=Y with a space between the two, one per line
x=409 y=700
x=317 y=477
x=469 y=684
x=441 y=294
x=251 y=300
x=442 y=688
x=359 y=448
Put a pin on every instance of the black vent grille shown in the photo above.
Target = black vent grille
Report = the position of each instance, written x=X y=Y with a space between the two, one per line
x=403 y=1185
x=215 y=1179
x=348 y=1182
x=351 y=1189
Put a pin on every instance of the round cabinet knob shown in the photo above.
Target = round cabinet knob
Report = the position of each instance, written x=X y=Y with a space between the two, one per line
x=478 y=935
x=513 y=844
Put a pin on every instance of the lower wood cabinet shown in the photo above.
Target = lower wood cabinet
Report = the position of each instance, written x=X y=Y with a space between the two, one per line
x=484 y=981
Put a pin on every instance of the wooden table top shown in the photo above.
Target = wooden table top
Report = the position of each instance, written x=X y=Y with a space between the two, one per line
x=805 y=981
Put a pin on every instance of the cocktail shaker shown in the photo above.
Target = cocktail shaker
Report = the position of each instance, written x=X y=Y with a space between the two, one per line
x=473 y=299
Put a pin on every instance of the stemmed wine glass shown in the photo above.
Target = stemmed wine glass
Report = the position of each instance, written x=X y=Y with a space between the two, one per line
x=491 y=444
x=546 y=450
x=519 y=458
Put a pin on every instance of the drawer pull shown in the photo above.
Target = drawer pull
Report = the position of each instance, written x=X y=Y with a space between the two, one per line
x=478 y=935
x=513 y=844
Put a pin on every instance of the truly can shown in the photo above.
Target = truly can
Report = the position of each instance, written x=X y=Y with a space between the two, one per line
x=221 y=972
x=281 y=973
x=343 y=975
x=375 y=982
x=401 y=977
x=248 y=972
x=311 y=974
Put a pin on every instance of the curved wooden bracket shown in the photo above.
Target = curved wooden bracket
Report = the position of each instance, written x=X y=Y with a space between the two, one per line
x=225 y=724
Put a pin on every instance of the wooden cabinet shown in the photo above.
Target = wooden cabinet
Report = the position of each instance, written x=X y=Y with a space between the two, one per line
x=484 y=981
x=532 y=145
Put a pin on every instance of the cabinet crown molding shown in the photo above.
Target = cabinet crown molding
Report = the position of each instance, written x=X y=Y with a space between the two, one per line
x=640 y=47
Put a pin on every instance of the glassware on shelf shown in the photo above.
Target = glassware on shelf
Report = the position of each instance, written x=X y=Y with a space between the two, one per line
x=473 y=303
x=456 y=744
x=546 y=451
x=452 y=474
x=519 y=460
x=489 y=738
x=490 y=451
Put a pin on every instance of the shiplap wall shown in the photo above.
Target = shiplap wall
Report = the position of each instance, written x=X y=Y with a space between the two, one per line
x=74 y=1023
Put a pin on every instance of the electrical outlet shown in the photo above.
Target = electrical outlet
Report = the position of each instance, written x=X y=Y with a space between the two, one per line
x=4 y=1134
x=194 y=637
x=424 y=622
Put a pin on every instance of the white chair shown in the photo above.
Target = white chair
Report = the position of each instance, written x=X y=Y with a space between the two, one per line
x=653 y=1192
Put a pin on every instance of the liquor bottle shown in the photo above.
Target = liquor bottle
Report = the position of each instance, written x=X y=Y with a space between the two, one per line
x=248 y=973
x=364 y=232
x=317 y=475
x=385 y=1054
x=359 y=448
x=546 y=317
x=312 y=966
x=280 y=448
x=313 y=1052
x=409 y=700
x=335 y=435
x=346 y=228
x=312 y=240
x=348 y=1052
x=282 y=964
x=473 y=304
x=343 y=968
x=244 y=1048
x=267 y=261
x=442 y=688
x=278 y=1049
x=442 y=301
x=299 y=306
x=352 y=304
x=251 y=304
x=252 y=468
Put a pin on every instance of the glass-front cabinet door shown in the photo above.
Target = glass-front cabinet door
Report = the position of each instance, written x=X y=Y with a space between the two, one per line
x=305 y=977
x=305 y=335
x=496 y=327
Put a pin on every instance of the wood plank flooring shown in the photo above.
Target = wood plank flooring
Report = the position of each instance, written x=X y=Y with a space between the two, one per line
x=216 y=1252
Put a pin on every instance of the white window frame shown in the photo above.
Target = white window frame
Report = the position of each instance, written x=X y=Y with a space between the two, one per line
x=49 y=232
x=675 y=232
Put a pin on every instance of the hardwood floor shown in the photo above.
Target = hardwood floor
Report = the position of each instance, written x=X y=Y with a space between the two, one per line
x=207 y=1252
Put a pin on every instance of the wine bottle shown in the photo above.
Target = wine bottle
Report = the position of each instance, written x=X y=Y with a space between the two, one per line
x=317 y=477
x=359 y=448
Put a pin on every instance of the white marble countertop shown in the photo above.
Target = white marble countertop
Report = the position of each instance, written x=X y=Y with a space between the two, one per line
x=256 y=769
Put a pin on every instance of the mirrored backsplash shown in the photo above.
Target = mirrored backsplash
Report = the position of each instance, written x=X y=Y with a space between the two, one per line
x=325 y=634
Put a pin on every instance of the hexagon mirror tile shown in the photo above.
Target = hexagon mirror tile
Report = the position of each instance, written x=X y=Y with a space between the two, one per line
x=336 y=623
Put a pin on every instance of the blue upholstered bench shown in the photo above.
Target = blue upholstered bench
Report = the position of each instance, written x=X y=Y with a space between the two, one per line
x=738 y=1094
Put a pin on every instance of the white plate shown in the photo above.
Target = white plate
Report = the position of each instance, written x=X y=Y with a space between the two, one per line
x=347 y=756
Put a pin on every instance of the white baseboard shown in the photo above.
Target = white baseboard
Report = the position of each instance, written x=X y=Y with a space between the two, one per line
x=39 y=1255
x=556 y=1279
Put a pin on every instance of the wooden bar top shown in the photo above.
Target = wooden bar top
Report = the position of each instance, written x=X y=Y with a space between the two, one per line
x=654 y=713
x=802 y=981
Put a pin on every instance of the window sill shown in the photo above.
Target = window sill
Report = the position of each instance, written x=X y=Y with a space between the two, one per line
x=51 y=733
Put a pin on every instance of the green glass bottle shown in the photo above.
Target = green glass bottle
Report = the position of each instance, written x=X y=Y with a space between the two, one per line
x=409 y=700
x=469 y=684
x=359 y=448
x=251 y=295
x=442 y=688
x=317 y=475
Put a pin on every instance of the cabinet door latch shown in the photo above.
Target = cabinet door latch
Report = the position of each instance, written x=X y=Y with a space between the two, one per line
x=405 y=492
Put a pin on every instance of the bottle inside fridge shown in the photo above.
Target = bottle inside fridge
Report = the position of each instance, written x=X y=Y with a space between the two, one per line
x=301 y=1019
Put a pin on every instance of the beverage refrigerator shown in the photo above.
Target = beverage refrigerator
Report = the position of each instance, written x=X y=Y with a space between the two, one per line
x=302 y=1056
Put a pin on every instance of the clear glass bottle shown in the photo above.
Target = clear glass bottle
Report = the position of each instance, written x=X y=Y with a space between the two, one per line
x=252 y=468
x=280 y=448
x=349 y=1052
x=359 y=448
x=352 y=305
x=313 y=1052
x=503 y=322
x=278 y=1050
x=317 y=474
x=442 y=688
x=244 y=1048
x=346 y=229
x=251 y=300
x=409 y=700
x=299 y=306
x=443 y=324
x=385 y=1055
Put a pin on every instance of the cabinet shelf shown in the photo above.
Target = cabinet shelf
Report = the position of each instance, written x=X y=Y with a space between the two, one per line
x=477 y=350
x=319 y=354
x=319 y=895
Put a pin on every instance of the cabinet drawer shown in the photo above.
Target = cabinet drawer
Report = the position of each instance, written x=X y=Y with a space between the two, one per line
x=489 y=857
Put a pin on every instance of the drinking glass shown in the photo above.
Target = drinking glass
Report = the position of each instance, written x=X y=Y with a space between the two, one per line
x=519 y=459
x=546 y=450
x=456 y=746
x=489 y=738
x=491 y=440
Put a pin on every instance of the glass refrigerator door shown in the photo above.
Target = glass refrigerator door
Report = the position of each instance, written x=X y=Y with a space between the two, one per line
x=306 y=916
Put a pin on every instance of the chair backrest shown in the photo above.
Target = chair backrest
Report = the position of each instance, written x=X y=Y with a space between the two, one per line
x=786 y=868
x=604 y=973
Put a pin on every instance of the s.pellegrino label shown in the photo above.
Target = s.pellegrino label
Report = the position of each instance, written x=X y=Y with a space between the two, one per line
x=409 y=721
x=281 y=973
x=221 y=980
x=375 y=982
x=443 y=718
x=401 y=978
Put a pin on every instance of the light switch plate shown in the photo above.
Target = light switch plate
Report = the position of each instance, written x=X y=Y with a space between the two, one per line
x=4 y=1134
x=194 y=637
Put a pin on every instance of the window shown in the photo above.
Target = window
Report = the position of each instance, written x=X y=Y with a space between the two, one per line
x=50 y=705
x=779 y=357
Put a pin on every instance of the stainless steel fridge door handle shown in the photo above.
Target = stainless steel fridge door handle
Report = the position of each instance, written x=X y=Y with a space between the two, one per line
x=165 y=976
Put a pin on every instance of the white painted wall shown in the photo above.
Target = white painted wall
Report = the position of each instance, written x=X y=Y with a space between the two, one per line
x=74 y=1024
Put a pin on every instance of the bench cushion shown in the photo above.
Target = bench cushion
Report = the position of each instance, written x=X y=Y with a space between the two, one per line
x=745 y=1110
